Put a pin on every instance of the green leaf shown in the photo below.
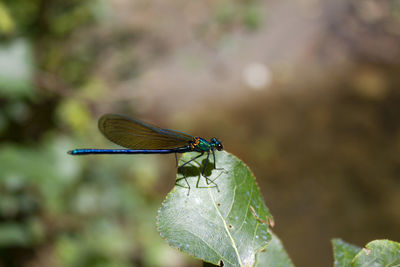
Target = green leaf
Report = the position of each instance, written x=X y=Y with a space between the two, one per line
x=228 y=223
x=343 y=252
x=379 y=253
x=274 y=255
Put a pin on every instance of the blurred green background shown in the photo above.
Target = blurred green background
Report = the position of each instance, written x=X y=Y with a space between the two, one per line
x=306 y=92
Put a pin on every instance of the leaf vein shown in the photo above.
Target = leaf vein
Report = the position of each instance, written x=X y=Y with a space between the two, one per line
x=226 y=228
x=208 y=245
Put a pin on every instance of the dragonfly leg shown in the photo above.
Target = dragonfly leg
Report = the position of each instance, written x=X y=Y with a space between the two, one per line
x=184 y=176
x=188 y=186
x=198 y=156
x=205 y=164
x=208 y=180
x=176 y=159
x=202 y=171
x=215 y=165
x=178 y=184
x=186 y=181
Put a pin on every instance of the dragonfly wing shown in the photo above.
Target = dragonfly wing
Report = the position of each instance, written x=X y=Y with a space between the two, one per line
x=134 y=134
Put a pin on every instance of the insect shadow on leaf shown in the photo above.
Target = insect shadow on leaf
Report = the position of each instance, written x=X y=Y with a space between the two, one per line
x=191 y=170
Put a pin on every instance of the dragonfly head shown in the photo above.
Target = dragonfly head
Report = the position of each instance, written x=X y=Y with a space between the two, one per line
x=217 y=144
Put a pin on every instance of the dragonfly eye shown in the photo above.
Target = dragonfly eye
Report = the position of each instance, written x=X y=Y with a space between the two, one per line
x=220 y=147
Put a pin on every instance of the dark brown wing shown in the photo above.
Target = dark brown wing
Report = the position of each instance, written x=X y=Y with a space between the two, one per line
x=134 y=134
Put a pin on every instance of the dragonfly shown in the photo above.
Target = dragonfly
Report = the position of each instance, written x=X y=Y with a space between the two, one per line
x=142 y=138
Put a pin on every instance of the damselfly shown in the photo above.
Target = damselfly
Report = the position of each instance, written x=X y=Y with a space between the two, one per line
x=142 y=138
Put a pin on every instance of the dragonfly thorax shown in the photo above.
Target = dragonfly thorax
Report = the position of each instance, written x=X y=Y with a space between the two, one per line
x=201 y=145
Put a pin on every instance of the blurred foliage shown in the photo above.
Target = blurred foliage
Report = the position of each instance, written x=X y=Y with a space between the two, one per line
x=16 y=69
x=343 y=252
x=56 y=210
x=97 y=219
x=376 y=253
x=7 y=25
